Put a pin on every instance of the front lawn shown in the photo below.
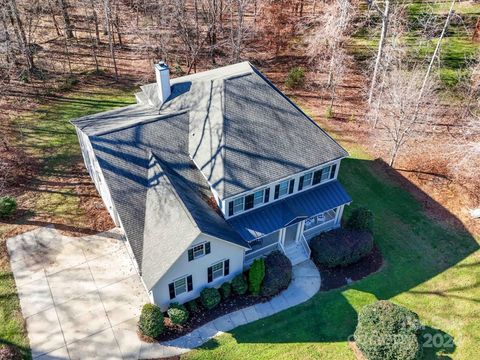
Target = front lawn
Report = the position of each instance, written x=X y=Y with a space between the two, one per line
x=429 y=268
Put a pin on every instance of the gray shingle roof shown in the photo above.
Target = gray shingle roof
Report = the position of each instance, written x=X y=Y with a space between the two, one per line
x=125 y=157
x=239 y=129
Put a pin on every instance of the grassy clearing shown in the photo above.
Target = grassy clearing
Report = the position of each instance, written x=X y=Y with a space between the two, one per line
x=47 y=136
x=429 y=268
x=457 y=50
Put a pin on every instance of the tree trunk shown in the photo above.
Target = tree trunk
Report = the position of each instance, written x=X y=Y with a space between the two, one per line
x=66 y=18
x=95 y=21
x=106 y=4
x=21 y=37
x=476 y=33
x=385 y=15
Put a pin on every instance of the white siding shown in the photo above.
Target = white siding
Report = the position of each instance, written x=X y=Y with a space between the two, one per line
x=96 y=174
x=220 y=250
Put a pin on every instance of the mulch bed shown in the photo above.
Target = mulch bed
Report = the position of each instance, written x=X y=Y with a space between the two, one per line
x=333 y=278
x=201 y=317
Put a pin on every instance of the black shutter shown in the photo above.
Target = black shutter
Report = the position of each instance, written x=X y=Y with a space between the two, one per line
x=291 y=186
x=210 y=274
x=317 y=177
x=300 y=183
x=230 y=208
x=332 y=171
x=266 y=199
x=189 y=283
x=171 y=290
x=207 y=248
x=190 y=254
x=277 y=190
x=226 y=267
x=248 y=202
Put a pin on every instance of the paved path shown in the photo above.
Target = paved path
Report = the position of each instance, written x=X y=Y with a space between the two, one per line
x=81 y=298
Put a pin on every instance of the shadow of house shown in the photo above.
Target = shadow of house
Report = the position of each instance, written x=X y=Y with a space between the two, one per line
x=415 y=247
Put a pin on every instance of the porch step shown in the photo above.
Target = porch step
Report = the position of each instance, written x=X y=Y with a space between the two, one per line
x=296 y=253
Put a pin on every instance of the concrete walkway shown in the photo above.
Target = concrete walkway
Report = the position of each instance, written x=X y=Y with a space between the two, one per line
x=81 y=298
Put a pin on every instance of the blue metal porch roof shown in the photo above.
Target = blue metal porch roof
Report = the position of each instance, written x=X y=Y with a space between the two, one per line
x=277 y=215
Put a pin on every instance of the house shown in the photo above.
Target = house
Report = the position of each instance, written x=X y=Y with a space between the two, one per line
x=207 y=172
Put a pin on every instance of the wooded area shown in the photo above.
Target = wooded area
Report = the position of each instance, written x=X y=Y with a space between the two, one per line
x=400 y=77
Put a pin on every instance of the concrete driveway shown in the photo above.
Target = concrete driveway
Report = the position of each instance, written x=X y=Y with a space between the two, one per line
x=80 y=297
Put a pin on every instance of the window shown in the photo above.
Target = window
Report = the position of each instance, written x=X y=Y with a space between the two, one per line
x=307 y=180
x=218 y=270
x=258 y=198
x=325 y=174
x=332 y=172
x=281 y=189
x=198 y=251
x=180 y=286
x=235 y=206
x=322 y=175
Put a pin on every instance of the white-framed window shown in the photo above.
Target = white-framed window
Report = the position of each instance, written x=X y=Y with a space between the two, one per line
x=307 y=180
x=238 y=205
x=180 y=286
x=325 y=174
x=258 y=197
x=198 y=251
x=283 y=189
x=217 y=270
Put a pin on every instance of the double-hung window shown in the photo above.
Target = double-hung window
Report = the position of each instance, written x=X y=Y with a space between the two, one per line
x=305 y=181
x=235 y=206
x=281 y=189
x=218 y=270
x=258 y=198
x=198 y=251
x=180 y=286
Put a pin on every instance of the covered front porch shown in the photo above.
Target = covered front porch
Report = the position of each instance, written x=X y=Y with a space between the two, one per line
x=290 y=223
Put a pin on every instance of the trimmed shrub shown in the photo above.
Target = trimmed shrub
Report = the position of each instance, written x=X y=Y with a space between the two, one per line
x=239 y=285
x=295 y=78
x=151 y=321
x=193 y=306
x=386 y=331
x=177 y=313
x=9 y=352
x=278 y=273
x=8 y=206
x=361 y=219
x=256 y=275
x=341 y=247
x=210 y=298
x=226 y=290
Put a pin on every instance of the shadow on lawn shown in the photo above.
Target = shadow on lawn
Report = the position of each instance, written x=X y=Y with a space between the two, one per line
x=415 y=247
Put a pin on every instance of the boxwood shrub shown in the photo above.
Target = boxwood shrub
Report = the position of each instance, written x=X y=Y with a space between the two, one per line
x=210 y=298
x=341 y=247
x=226 y=290
x=278 y=273
x=8 y=206
x=151 y=321
x=193 y=306
x=256 y=275
x=177 y=313
x=386 y=331
x=239 y=285
x=361 y=219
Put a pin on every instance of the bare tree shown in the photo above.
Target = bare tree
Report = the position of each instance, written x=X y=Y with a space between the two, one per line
x=384 y=13
x=19 y=30
x=66 y=18
x=239 y=31
x=403 y=114
x=108 y=22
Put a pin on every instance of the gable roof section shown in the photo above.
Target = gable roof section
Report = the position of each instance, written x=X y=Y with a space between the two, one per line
x=140 y=162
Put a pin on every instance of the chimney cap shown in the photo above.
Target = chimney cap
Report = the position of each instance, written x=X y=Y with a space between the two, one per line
x=162 y=65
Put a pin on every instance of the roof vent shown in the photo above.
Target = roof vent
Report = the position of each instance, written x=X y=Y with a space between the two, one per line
x=162 y=74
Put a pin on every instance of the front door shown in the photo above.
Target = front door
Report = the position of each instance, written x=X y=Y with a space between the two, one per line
x=291 y=235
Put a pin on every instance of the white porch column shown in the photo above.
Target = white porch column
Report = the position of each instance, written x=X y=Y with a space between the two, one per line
x=339 y=214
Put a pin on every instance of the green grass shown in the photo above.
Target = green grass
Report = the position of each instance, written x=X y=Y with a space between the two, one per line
x=457 y=49
x=47 y=136
x=429 y=268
